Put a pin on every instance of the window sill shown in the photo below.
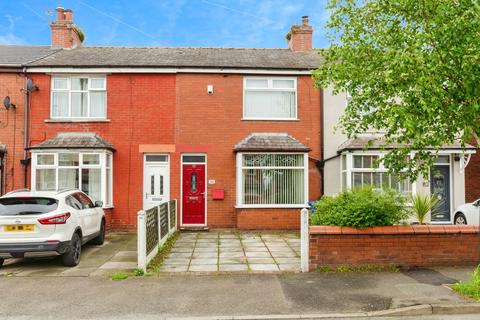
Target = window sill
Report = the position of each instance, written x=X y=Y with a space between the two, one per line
x=75 y=120
x=269 y=119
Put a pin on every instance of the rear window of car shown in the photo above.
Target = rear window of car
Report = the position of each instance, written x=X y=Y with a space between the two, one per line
x=26 y=205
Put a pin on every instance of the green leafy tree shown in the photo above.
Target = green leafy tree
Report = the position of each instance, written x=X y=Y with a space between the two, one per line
x=412 y=68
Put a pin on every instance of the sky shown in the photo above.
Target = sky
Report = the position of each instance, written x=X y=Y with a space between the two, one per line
x=204 y=23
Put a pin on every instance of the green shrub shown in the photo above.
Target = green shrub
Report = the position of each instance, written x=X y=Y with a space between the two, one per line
x=360 y=208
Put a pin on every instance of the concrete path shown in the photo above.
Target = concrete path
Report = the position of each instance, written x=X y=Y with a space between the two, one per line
x=118 y=253
x=234 y=252
x=222 y=295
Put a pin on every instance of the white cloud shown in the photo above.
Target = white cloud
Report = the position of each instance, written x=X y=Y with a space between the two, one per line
x=11 y=39
x=12 y=21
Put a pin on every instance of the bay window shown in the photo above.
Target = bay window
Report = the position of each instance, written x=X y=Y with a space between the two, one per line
x=78 y=97
x=270 y=98
x=272 y=179
x=89 y=171
x=364 y=169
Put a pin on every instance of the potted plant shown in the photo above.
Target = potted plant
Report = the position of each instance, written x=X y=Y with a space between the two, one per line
x=424 y=204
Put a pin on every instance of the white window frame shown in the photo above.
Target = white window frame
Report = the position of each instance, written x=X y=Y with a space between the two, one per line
x=69 y=91
x=270 y=88
x=239 y=192
x=102 y=166
x=349 y=170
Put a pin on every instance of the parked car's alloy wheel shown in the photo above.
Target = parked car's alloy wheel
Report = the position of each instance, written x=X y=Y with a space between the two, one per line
x=72 y=257
x=101 y=237
x=460 y=219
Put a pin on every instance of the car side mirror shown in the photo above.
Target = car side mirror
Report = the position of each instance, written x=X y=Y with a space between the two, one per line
x=98 y=204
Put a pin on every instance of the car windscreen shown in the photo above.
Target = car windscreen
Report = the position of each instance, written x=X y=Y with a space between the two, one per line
x=26 y=205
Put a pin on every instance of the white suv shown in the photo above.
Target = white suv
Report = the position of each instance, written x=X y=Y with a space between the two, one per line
x=49 y=223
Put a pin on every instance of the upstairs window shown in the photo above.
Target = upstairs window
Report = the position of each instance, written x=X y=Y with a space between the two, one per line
x=79 y=98
x=270 y=98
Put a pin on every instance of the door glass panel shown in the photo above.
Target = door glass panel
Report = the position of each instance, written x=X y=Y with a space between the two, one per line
x=152 y=184
x=161 y=185
x=156 y=158
x=194 y=159
x=193 y=182
x=443 y=159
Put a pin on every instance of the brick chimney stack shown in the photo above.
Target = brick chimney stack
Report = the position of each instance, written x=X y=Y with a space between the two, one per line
x=301 y=36
x=65 y=34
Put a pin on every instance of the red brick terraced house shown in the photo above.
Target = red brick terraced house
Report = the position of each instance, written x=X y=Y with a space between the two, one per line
x=240 y=137
x=233 y=134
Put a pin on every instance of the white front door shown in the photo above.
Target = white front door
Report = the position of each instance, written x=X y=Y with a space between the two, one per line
x=156 y=180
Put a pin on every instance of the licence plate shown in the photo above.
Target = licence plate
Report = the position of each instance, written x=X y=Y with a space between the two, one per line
x=19 y=228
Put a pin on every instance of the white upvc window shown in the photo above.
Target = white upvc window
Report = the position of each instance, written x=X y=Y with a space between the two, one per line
x=89 y=171
x=272 y=180
x=360 y=169
x=269 y=98
x=78 y=97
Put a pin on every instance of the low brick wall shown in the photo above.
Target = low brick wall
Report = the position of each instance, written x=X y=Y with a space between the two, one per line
x=268 y=219
x=405 y=246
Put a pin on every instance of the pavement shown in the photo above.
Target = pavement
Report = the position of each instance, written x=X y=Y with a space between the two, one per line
x=118 y=253
x=262 y=295
x=234 y=252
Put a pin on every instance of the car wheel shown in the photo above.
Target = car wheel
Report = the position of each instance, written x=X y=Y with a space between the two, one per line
x=460 y=219
x=101 y=237
x=72 y=257
x=1 y=261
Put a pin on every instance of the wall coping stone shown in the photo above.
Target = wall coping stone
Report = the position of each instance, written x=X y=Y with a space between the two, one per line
x=395 y=230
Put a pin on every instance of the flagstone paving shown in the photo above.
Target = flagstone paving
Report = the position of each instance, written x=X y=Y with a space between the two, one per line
x=234 y=252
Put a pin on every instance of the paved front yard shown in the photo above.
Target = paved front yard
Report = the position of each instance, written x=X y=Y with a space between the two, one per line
x=234 y=252
x=119 y=252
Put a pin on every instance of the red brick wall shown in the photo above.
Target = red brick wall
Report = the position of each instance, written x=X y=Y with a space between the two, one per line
x=406 y=246
x=214 y=122
x=472 y=179
x=268 y=219
x=176 y=109
x=141 y=109
x=12 y=129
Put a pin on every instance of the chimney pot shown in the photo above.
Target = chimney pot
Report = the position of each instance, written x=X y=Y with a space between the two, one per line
x=68 y=14
x=65 y=34
x=60 y=13
x=305 y=20
x=301 y=36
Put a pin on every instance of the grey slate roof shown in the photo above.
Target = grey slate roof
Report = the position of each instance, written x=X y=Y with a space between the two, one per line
x=377 y=143
x=181 y=57
x=271 y=142
x=16 y=56
x=75 y=140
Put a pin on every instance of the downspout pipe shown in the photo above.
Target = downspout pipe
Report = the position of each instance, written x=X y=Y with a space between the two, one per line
x=25 y=131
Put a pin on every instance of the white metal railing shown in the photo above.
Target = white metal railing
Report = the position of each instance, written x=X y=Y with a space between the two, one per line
x=304 y=240
x=154 y=226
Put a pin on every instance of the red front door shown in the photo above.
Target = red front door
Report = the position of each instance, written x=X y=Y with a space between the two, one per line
x=193 y=202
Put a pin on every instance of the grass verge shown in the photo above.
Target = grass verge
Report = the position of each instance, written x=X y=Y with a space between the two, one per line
x=470 y=288
x=362 y=268
x=157 y=262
